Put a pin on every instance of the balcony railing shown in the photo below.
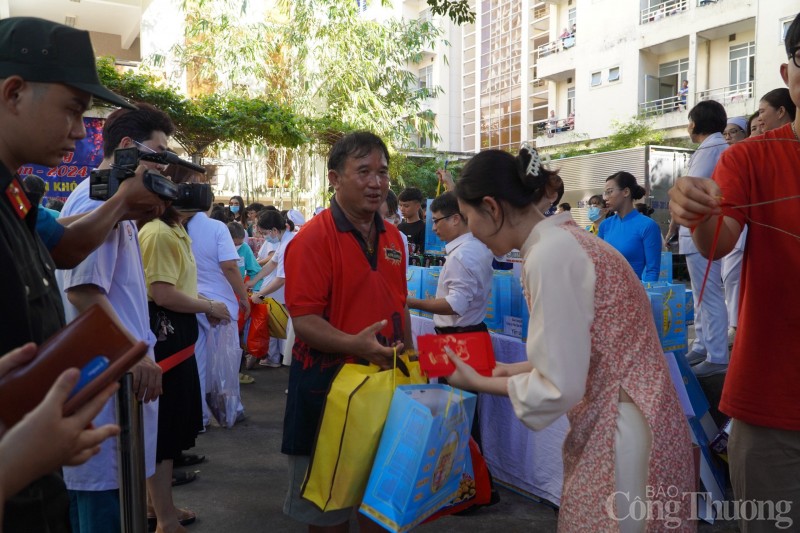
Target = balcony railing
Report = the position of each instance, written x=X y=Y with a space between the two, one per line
x=553 y=126
x=661 y=106
x=728 y=95
x=664 y=9
x=563 y=43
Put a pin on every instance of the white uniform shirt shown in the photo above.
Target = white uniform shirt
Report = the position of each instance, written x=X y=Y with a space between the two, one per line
x=116 y=268
x=265 y=250
x=279 y=272
x=212 y=244
x=465 y=282
x=701 y=165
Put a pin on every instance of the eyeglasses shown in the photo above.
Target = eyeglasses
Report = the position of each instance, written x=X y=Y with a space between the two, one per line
x=437 y=220
x=732 y=132
x=609 y=192
x=793 y=55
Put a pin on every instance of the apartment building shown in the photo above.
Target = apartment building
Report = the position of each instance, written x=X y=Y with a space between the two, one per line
x=561 y=71
x=630 y=58
x=114 y=25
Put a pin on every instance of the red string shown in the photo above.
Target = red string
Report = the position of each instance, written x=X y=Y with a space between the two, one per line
x=710 y=258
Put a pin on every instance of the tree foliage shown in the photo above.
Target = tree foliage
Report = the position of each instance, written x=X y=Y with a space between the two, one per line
x=320 y=57
x=209 y=120
x=420 y=172
x=458 y=10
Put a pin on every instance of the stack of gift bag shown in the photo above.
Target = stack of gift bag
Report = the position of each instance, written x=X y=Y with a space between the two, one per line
x=397 y=446
x=506 y=312
x=672 y=308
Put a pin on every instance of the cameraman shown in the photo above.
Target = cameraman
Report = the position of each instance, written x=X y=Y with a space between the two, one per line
x=47 y=80
x=113 y=277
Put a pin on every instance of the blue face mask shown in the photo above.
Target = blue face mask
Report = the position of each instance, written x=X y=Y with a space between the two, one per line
x=272 y=239
x=234 y=209
x=594 y=213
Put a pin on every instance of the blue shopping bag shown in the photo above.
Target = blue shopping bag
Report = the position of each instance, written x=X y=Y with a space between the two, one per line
x=414 y=284
x=665 y=273
x=433 y=244
x=430 y=282
x=499 y=305
x=421 y=457
x=672 y=327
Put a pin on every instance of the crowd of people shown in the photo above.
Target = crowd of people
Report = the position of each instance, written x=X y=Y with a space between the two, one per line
x=182 y=278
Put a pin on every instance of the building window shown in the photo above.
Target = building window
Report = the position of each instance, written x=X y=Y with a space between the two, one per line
x=679 y=67
x=571 y=17
x=362 y=5
x=613 y=74
x=426 y=78
x=570 y=100
x=596 y=79
x=670 y=77
x=425 y=16
x=785 y=23
x=742 y=66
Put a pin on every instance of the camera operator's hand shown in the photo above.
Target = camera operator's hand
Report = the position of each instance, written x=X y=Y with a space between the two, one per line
x=138 y=202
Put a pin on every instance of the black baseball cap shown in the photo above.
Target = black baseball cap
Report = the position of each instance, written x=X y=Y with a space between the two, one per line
x=39 y=50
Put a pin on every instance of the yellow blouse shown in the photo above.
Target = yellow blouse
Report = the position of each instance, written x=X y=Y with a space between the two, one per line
x=167 y=257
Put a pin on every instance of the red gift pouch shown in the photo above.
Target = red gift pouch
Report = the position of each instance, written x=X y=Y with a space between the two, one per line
x=475 y=349
x=257 y=334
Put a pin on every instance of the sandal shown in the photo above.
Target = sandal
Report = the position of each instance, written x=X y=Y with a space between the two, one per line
x=188 y=459
x=185 y=517
x=244 y=379
x=182 y=478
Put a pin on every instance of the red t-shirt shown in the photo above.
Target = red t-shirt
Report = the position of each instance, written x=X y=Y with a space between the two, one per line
x=761 y=387
x=330 y=273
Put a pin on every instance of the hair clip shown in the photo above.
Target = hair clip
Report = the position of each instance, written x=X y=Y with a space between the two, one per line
x=535 y=163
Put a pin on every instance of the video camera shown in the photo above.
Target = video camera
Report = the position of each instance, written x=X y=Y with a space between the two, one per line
x=104 y=183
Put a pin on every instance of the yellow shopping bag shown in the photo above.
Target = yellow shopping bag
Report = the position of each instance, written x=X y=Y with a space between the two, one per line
x=349 y=433
x=278 y=318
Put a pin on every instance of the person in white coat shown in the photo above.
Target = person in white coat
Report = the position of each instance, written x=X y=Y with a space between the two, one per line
x=218 y=278
x=709 y=352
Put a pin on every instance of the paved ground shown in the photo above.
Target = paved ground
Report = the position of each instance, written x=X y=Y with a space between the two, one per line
x=240 y=488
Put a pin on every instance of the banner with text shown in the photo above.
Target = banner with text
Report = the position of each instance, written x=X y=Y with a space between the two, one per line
x=75 y=166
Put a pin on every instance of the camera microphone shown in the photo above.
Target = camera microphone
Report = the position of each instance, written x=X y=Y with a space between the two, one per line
x=174 y=159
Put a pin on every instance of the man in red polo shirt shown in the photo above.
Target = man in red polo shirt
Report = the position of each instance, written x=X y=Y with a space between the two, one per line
x=755 y=183
x=346 y=293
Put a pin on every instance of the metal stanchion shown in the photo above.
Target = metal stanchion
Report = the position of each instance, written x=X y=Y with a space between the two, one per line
x=130 y=460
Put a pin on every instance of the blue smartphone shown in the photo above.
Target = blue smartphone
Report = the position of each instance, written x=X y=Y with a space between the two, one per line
x=93 y=368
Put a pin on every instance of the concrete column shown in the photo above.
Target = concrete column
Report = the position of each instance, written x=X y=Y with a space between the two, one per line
x=526 y=134
x=692 y=74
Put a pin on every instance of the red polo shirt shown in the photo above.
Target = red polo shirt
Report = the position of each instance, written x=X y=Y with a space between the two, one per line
x=330 y=272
